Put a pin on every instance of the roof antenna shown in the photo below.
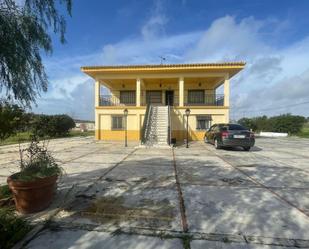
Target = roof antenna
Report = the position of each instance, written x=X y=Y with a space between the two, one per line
x=162 y=59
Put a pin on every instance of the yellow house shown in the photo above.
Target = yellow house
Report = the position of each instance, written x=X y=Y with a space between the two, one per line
x=164 y=92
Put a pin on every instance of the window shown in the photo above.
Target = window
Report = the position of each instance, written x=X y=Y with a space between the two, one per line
x=117 y=123
x=203 y=122
x=127 y=97
x=233 y=127
x=196 y=96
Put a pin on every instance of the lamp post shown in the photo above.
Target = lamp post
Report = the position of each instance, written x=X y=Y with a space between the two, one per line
x=187 y=114
x=125 y=112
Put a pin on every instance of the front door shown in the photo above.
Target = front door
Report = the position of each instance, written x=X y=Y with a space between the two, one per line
x=169 y=97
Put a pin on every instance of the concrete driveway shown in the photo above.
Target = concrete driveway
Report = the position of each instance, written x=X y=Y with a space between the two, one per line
x=117 y=197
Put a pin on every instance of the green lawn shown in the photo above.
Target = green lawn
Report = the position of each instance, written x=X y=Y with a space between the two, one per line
x=25 y=137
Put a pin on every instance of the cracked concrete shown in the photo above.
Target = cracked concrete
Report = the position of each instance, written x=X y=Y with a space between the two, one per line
x=117 y=197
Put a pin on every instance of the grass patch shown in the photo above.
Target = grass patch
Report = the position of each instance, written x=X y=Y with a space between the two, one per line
x=23 y=137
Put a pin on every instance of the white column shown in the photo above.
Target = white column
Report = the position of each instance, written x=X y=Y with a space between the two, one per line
x=97 y=94
x=227 y=91
x=138 y=92
x=181 y=91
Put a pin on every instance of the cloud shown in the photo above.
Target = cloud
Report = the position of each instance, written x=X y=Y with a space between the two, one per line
x=275 y=75
x=155 y=25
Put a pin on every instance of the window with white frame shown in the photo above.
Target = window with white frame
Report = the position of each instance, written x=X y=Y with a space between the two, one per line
x=203 y=122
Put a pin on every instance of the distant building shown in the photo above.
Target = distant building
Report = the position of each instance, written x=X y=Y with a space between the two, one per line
x=84 y=125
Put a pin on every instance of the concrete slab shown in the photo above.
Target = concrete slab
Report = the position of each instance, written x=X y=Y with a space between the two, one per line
x=213 y=175
x=82 y=239
x=125 y=204
x=244 y=211
x=202 y=244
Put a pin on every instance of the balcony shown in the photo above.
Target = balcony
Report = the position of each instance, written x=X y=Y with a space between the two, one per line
x=110 y=100
x=205 y=100
x=192 y=100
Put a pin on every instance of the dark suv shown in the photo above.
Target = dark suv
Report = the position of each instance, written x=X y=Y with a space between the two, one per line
x=229 y=135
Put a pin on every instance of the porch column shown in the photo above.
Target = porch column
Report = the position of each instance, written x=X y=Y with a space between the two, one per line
x=227 y=91
x=97 y=94
x=181 y=91
x=138 y=92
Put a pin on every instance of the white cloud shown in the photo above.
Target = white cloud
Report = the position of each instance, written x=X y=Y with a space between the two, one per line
x=274 y=76
x=155 y=25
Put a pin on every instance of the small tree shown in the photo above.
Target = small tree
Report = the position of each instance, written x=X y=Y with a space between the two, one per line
x=11 y=119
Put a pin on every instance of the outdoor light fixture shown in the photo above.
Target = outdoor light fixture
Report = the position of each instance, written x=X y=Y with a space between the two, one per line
x=125 y=112
x=187 y=114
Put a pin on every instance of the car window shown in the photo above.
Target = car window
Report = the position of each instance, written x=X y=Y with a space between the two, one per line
x=212 y=128
x=233 y=127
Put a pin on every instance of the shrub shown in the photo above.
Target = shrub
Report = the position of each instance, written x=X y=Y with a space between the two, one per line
x=12 y=228
x=11 y=119
x=36 y=162
x=288 y=123
x=52 y=125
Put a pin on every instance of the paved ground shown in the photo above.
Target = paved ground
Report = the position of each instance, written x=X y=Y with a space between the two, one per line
x=116 y=197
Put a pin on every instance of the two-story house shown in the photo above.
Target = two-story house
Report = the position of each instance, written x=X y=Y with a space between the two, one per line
x=148 y=103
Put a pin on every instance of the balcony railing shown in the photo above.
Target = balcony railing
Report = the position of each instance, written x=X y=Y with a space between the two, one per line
x=110 y=100
x=206 y=100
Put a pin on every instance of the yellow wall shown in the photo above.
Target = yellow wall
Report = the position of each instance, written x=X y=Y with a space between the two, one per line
x=136 y=117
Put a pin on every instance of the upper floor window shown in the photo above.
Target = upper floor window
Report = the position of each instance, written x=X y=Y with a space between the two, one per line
x=127 y=97
x=196 y=96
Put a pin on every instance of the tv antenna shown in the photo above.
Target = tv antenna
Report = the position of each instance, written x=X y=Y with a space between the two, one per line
x=162 y=59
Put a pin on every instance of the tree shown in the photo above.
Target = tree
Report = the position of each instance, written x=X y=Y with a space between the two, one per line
x=11 y=119
x=52 y=125
x=23 y=35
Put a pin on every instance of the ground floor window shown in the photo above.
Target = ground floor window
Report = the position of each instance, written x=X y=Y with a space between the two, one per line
x=203 y=122
x=117 y=123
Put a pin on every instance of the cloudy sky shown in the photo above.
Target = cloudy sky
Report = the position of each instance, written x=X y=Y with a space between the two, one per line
x=271 y=36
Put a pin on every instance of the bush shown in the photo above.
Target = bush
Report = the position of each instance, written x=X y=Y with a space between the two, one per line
x=52 y=125
x=288 y=123
x=12 y=228
x=11 y=119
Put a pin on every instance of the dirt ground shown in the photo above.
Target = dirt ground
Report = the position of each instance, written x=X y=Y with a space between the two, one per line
x=113 y=196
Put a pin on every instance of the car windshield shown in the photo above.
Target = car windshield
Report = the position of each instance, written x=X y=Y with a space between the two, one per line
x=233 y=127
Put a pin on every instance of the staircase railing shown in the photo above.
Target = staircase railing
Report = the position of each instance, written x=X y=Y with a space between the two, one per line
x=169 y=129
x=145 y=124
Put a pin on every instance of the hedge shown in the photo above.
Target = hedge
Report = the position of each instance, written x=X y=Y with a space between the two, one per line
x=288 y=123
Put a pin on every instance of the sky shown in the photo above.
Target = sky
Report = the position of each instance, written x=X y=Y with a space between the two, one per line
x=272 y=37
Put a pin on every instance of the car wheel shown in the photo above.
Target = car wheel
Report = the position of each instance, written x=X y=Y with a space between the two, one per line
x=206 y=140
x=247 y=148
x=217 y=146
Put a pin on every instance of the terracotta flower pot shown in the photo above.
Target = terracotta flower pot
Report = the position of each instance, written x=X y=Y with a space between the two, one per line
x=33 y=196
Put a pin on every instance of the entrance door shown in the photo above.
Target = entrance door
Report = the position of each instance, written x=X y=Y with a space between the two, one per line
x=154 y=97
x=169 y=97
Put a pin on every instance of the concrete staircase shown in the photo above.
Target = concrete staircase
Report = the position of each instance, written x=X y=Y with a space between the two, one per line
x=156 y=127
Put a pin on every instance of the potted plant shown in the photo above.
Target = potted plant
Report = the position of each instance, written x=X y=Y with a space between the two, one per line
x=33 y=187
